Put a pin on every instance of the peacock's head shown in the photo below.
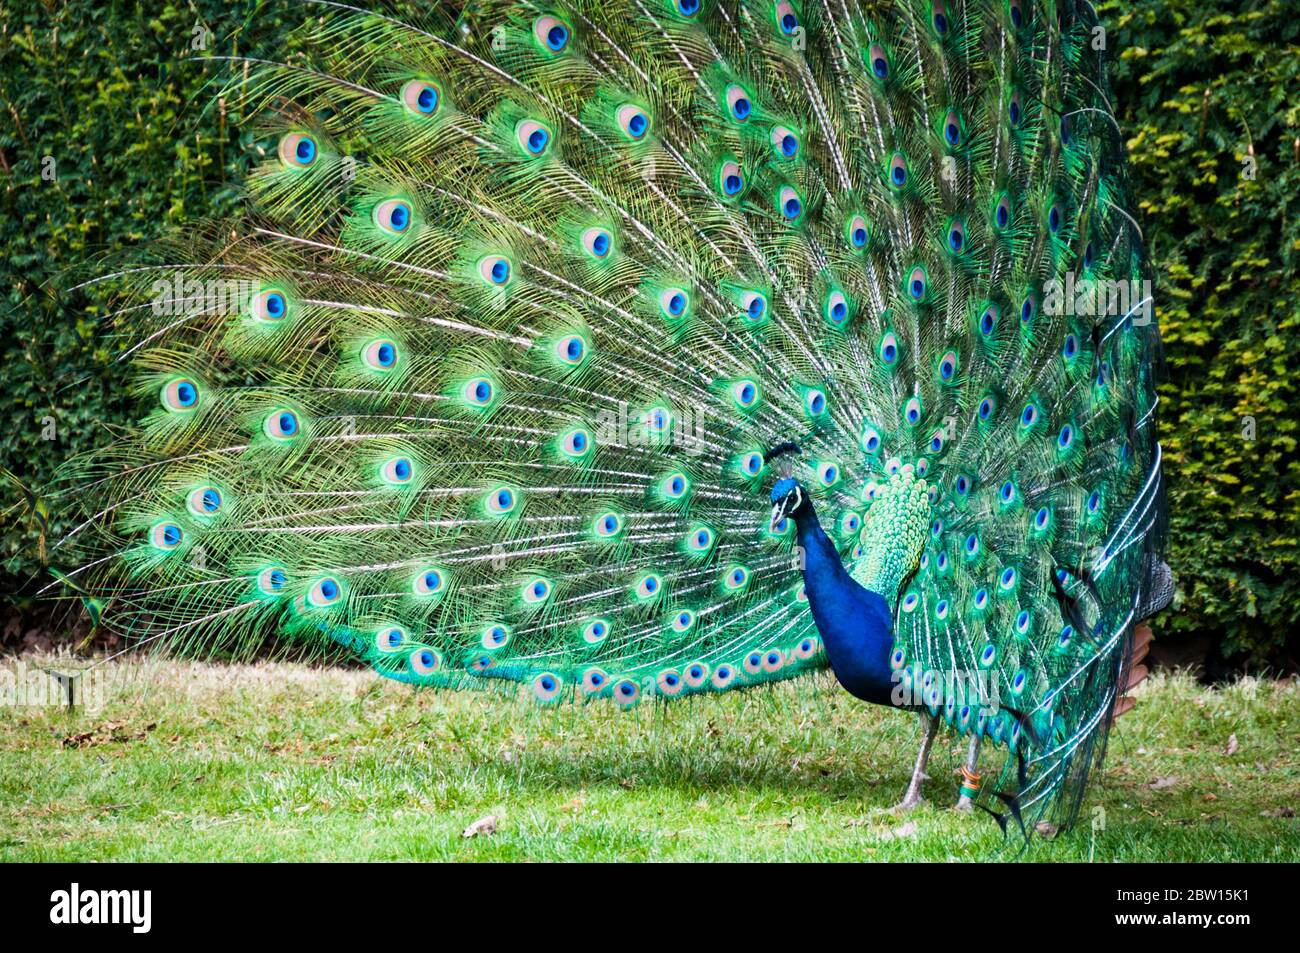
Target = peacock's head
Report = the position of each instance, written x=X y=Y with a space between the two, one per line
x=788 y=499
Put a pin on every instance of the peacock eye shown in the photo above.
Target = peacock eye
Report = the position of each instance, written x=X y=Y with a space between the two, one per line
x=272 y=580
x=788 y=201
x=988 y=319
x=1028 y=308
x=683 y=622
x=675 y=485
x=785 y=142
x=948 y=366
x=1002 y=212
x=533 y=138
x=478 y=392
x=421 y=97
x=429 y=582
x=751 y=464
x=281 y=425
x=180 y=395
x=269 y=305
x=734 y=578
x=324 y=592
x=687 y=8
x=577 y=443
x=425 y=661
x=552 y=33
x=739 y=105
x=607 y=525
x=1055 y=218
x=856 y=232
x=205 y=501
x=870 y=439
x=674 y=302
x=380 y=355
x=495 y=636
x=746 y=394
x=956 y=236
x=787 y=20
x=166 y=536
x=397 y=471
x=898 y=173
x=1016 y=10
x=828 y=473
x=939 y=18
x=912 y=411
x=731 y=179
x=571 y=349
x=298 y=150
x=889 y=348
x=648 y=586
x=494 y=269
x=597 y=242
x=755 y=305
x=952 y=129
x=879 y=58
x=917 y=284
x=633 y=120
x=535 y=591
x=393 y=216
x=390 y=638
x=700 y=540
x=837 y=308
x=814 y=403
x=546 y=687
x=595 y=631
x=501 y=501
x=1013 y=109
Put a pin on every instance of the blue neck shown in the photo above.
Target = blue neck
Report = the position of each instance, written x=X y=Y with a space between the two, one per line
x=855 y=624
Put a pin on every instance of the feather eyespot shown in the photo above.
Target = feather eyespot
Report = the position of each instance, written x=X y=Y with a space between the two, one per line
x=787 y=19
x=828 y=473
x=870 y=439
x=1014 y=113
x=166 y=536
x=429 y=582
x=785 y=142
x=270 y=305
x=837 y=309
x=577 y=443
x=390 y=638
x=495 y=269
x=380 y=355
x=648 y=586
x=180 y=395
x=282 y=425
x=988 y=319
x=912 y=411
x=552 y=33
x=897 y=172
x=495 y=636
x=675 y=486
x=421 y=97
x=546 y=687
x=536 y=591
x=888 y=349
x=425 y=662
x=948 y=365
x=878 y=57
x=272 y=580
x=393 y=216
x=607 y=525
x=746 y=394
x=754 y=304
x=790 y=204
x=571 y=349
x=722 y=676
x=633 y=120
x=397 y=471
x=956 y=237
x=814 y=403
x=1028 y=307
x=735 y=578
x=597 y=242
x=687 y=8
x=532 y=137
x=1016 y=11
x=939 y=18
x=683 y=622
x=855 y=232
x=478 y=392
x=204 y=501
x=595 y=631
x=918 y=284
x=1002 y=212
x=324 y=592
x=501 y=501
x=674 y=303
x=739 y=105
x=952 y=129
x=751 y=464
x=731 y=179
x=298 y=150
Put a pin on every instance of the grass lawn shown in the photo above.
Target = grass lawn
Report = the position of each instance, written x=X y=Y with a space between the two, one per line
x=189 y=761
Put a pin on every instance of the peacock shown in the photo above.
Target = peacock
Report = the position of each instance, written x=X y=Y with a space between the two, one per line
x=618 y=351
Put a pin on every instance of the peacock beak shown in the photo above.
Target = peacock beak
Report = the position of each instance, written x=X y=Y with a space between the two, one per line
x=778 y=513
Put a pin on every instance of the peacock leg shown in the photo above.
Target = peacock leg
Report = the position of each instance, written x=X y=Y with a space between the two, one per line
x=930 y=726
x=970 y=781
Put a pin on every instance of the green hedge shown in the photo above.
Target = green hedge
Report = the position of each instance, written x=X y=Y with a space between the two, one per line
x=115 y=95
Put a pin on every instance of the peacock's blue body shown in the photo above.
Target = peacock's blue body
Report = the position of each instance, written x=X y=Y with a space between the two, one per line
x=655 y=349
